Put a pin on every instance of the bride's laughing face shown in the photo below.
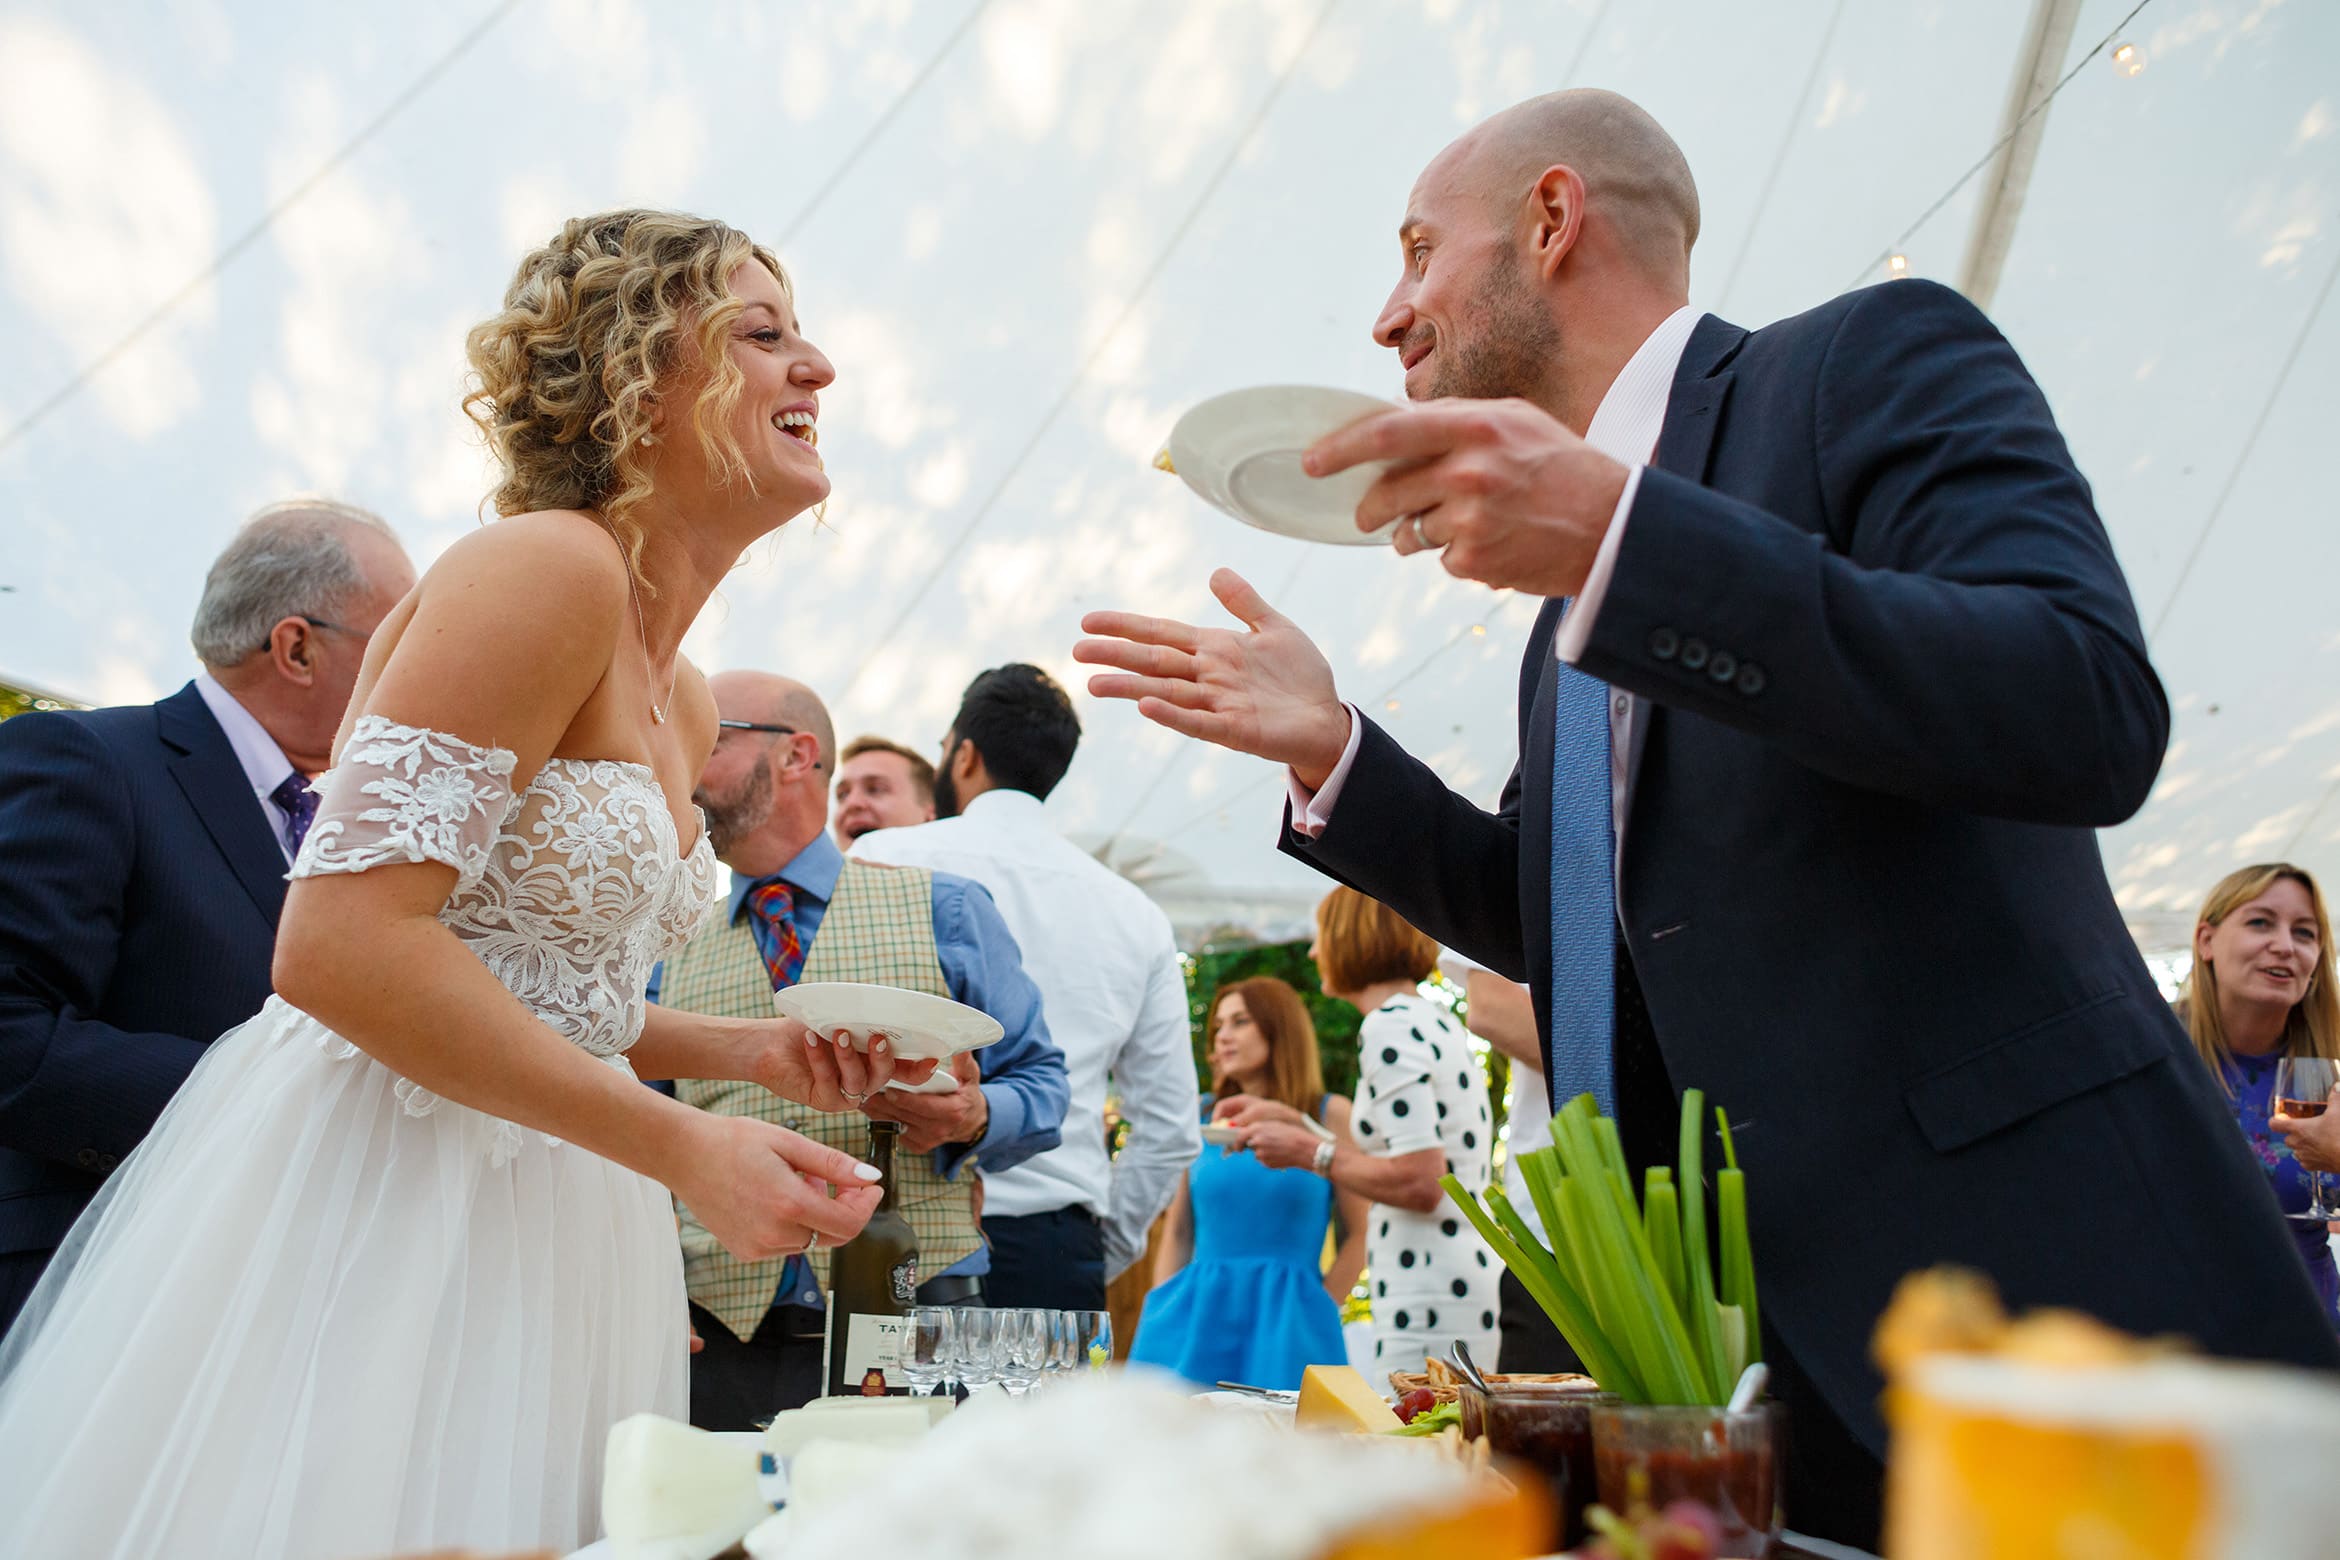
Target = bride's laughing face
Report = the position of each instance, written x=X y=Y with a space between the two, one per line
x=776 y=421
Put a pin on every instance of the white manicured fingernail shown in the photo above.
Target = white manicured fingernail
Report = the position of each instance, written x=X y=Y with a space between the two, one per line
x=876 y=1047
x=866 y=1172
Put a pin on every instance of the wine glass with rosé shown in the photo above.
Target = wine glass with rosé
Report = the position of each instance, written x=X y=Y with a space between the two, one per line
x=2303 y=1088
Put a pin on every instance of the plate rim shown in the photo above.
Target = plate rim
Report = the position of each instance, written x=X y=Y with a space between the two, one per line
x=1185 y=459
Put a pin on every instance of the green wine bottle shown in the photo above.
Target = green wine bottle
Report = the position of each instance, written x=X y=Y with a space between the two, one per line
x=873 y=1283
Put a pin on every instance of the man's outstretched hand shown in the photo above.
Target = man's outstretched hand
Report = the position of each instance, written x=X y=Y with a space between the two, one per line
x=1265 y=689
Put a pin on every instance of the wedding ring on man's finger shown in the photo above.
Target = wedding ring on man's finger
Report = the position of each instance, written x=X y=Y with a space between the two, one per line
x=1421 y=540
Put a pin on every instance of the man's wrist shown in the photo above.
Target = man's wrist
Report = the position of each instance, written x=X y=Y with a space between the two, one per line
x=1312 y=773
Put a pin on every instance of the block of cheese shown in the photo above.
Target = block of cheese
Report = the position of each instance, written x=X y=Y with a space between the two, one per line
x=1335 y=1397
x=879 y=1421
x=663 y=1480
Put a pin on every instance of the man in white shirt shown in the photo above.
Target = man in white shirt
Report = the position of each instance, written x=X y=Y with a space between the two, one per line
x=1063 y=1224
x=142 y=859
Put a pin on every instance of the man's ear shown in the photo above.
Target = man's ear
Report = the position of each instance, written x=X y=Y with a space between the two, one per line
x=292 y=646
x=1555 y=218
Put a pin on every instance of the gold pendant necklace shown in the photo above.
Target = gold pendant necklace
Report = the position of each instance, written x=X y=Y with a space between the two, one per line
x=650 y=667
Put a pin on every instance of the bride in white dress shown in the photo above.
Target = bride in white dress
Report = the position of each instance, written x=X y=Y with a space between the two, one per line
x=402 y=1250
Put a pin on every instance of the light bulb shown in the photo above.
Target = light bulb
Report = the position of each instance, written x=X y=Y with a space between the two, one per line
x=1897 y=265
x=1391 y=706
x=2128 y=59
x=1478 y=630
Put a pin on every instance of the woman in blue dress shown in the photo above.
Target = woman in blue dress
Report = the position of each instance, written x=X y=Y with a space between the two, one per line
x=2262 y=990
x=1241 y=1292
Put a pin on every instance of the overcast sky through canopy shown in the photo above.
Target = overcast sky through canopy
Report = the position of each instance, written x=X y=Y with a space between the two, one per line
x=1062 y=222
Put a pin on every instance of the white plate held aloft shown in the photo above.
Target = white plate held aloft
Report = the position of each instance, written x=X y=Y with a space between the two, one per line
x=1241 y=452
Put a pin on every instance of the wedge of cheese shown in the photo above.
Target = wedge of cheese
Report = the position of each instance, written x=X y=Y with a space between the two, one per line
x=662 y=1480
x=1335 y=1397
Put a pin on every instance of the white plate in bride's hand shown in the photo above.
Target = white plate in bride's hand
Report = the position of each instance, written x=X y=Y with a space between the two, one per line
x=1241 y=452
x=916 y=1025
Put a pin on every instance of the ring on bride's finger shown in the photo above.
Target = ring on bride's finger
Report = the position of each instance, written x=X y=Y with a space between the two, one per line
x=1420 y=540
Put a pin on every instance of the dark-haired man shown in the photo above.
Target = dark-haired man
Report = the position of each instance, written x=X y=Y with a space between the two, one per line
x=881 y=785
x=1063 y=1223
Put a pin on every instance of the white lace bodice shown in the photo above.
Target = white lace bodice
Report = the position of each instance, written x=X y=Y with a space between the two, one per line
x=570 y=891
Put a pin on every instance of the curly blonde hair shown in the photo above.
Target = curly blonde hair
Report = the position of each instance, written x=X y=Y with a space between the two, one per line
x=593 y=323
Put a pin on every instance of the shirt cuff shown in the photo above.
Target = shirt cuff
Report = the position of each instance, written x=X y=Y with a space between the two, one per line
x=1004 y=1126
x=1576 y=628
x=1311 y=811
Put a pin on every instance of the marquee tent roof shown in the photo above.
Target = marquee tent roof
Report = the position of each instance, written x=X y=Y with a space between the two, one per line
x=1031 y=232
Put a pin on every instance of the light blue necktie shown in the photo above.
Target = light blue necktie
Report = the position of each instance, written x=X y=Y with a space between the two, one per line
x=1584 y=904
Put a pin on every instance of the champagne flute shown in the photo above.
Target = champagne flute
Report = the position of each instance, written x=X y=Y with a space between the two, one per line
x=1064 y=1345
x=2303 y=1089
x=1096 y=1346
x=978 y=1332
x=926 y=1347
x=1023 y=1349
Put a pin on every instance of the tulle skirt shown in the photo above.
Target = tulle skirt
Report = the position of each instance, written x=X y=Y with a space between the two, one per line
x=320 y=1313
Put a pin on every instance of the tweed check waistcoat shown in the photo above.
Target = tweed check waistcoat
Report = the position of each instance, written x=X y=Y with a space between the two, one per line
x=878 y=929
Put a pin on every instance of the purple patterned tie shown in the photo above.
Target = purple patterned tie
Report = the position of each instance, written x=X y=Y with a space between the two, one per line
x=295 y=798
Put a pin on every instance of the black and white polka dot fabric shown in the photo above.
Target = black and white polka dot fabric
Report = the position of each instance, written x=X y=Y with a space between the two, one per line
x=1433 y=1279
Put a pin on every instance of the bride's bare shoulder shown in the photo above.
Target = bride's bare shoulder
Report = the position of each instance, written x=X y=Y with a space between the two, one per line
x=559 y=559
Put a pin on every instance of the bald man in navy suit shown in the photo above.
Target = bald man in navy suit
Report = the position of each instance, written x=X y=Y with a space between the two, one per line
x=143 y=851
x=1835 y=676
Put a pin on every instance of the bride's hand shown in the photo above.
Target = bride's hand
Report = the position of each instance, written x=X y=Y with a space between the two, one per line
x=763 y=1191
x=828 y=1075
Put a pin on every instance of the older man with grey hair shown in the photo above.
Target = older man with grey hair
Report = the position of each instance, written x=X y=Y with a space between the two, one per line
x=142 y=859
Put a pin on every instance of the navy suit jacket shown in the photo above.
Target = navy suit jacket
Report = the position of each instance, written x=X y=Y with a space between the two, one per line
x=139 y=888
x=1889 y=679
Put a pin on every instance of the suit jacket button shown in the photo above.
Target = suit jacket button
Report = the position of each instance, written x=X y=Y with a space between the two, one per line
x=1693 y=654
x=1751 y=680
x=1722 y=666
x=106 y=1162
x=1664 y=643
x=87 y=1159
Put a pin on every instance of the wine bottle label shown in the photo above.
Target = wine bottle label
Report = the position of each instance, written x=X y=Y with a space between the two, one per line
x=905 y=1280
x=873 y=1354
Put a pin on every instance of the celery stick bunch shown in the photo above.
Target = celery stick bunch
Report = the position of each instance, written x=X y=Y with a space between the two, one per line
x=1632 y=1287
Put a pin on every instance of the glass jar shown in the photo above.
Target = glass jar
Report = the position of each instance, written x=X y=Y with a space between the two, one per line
x=1547 y=1425
x=1654 y=1454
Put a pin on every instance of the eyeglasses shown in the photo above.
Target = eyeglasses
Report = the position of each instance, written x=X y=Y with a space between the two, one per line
x=758 y=725
x=318 y=622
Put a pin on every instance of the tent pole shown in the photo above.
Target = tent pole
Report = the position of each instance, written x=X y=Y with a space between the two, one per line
x=2046 y=39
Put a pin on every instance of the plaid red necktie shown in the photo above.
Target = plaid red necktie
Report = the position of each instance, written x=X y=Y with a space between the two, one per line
x=784 y=950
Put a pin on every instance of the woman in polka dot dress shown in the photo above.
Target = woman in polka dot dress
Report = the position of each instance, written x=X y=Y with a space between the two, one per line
x=1421 y=1111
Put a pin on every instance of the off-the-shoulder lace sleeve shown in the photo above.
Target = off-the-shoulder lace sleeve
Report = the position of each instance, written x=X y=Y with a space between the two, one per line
x=402 y=794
